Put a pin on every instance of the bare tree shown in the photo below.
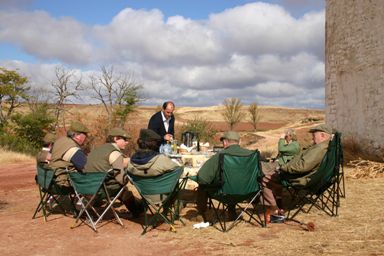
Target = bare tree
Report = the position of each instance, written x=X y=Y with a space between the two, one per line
x=254 y=112
x=66 y=86
x=232 y=112
x=117 y=92
x=13 y=90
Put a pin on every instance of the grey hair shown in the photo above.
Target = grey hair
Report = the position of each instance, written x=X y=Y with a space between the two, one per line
x=291 y=132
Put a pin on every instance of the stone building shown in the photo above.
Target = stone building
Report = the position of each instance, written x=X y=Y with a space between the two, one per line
x=355 y=71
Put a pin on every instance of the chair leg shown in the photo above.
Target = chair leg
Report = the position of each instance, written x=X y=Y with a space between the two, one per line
x=42 y=205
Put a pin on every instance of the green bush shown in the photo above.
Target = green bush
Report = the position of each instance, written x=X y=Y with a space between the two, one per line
x=26 y=131
x=17 y=144
x=202 y=127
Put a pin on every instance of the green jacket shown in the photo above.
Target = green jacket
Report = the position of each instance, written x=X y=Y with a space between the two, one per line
x=209 y=172
x=305 y=164
x=287 y=151
x=98 y=161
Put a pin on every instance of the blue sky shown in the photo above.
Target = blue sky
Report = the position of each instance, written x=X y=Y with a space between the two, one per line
x=269 y=52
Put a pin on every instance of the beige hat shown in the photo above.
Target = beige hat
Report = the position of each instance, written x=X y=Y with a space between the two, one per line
x=231 y=135
x=148 y=134
x=321 y=128
x=77 y=126
x=49 y=138
x=118 y=132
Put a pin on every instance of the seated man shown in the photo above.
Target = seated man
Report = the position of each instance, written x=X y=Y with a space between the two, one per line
x=67 y=153
x=298 y=169
x=288 y=146
x=44 y=156
x=147 y=161
x=208 y=175
x=109 y=156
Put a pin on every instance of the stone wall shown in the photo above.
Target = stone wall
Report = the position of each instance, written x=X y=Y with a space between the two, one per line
x=355 y=71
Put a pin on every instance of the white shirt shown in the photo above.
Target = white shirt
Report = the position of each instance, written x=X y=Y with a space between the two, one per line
x=165 y=121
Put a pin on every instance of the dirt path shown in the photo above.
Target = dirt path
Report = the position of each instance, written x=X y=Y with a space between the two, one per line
x=359 y=229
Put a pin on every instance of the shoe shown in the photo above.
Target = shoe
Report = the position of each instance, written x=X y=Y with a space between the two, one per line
x=50 y=203
x=135 y=206
x=277 y=218
x=232 y=215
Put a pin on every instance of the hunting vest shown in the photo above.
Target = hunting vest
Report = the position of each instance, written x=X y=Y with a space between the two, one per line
x=98 y=161
x=61 y=146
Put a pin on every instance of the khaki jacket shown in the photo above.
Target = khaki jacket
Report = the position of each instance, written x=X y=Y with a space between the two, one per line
x=156 y=166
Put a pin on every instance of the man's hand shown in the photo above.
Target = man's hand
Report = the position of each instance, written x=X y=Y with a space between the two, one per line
x=168 y=137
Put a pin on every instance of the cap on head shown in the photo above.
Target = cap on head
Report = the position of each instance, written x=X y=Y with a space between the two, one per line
x=77 y=126
x=119 y=133
x=49 y=138
x=231 y=135
x=321 y=128
x=148 y=134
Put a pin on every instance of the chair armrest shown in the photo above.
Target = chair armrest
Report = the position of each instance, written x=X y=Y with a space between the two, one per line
x=194 y=178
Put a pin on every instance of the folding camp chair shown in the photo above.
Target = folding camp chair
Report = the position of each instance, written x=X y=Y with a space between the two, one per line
x=90 y=187
x=50 y=192
x=325 y=187
x=166 y=187
x=240 y=177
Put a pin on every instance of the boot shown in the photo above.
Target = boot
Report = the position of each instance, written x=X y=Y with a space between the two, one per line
x=134 y=206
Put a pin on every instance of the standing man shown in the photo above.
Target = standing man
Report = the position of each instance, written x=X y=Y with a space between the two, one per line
x=67 y=153
x=163 y=122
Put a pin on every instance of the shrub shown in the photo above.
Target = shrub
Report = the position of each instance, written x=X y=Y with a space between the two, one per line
x=202 y=127
x=24 y=134
x=22 y=145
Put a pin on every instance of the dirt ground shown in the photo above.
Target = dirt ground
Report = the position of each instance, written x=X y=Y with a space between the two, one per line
x=358 y=230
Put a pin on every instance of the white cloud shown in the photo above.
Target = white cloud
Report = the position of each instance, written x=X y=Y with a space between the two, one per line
x=144 y=36
x=256 y=52
x=46 y=38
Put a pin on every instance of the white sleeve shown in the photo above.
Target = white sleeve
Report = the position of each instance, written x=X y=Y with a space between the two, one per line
x=70 y=153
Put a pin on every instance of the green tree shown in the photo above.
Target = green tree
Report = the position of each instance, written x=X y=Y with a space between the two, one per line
x=33 y=126
x=254 y=113
x=232 y=111
x=13 y=91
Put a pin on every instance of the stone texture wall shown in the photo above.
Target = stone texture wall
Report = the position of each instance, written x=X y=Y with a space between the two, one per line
x=355 y=71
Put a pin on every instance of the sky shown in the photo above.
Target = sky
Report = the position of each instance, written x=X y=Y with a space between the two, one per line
x=194 y=52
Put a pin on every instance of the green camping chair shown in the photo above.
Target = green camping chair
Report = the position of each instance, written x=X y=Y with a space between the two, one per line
x=160 y=197
x=325 y=187
x=90 y=187
x=240 y=177
x=50 y=192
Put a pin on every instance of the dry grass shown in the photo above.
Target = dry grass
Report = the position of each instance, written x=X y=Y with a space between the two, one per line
x=365 y=169
x=9 y=157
